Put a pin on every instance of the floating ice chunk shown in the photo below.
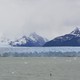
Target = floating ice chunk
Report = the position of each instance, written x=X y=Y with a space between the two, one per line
x=54 y=57
x=68 y=60
x=13 y=72
x=22 y=57
x=25 y=62
x=75 y=58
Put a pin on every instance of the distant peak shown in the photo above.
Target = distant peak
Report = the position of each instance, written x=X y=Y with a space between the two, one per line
x=33 y=34
x=24 y=36
x=76 y=31
x=77 y=28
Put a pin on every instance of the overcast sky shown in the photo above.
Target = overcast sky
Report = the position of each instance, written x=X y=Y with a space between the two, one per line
x=49 y=18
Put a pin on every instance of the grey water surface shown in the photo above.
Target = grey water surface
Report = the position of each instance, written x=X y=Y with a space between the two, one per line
x=40 y=68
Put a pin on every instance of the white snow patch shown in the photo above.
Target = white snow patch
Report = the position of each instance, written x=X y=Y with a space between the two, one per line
x=32 y=38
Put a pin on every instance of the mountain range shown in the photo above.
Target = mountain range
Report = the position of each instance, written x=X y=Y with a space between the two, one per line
x=35 y=40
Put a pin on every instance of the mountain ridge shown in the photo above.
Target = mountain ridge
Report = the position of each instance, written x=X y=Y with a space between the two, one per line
x=71 y=39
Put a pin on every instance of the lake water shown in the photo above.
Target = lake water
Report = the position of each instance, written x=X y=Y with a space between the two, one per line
x=40 y=68
x=40 y=51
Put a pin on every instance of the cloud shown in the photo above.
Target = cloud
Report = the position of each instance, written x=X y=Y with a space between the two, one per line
x=48 y=18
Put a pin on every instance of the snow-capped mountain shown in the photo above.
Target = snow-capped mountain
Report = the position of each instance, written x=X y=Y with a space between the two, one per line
x=71 y=39
x=32 y=40
x=76 y=32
